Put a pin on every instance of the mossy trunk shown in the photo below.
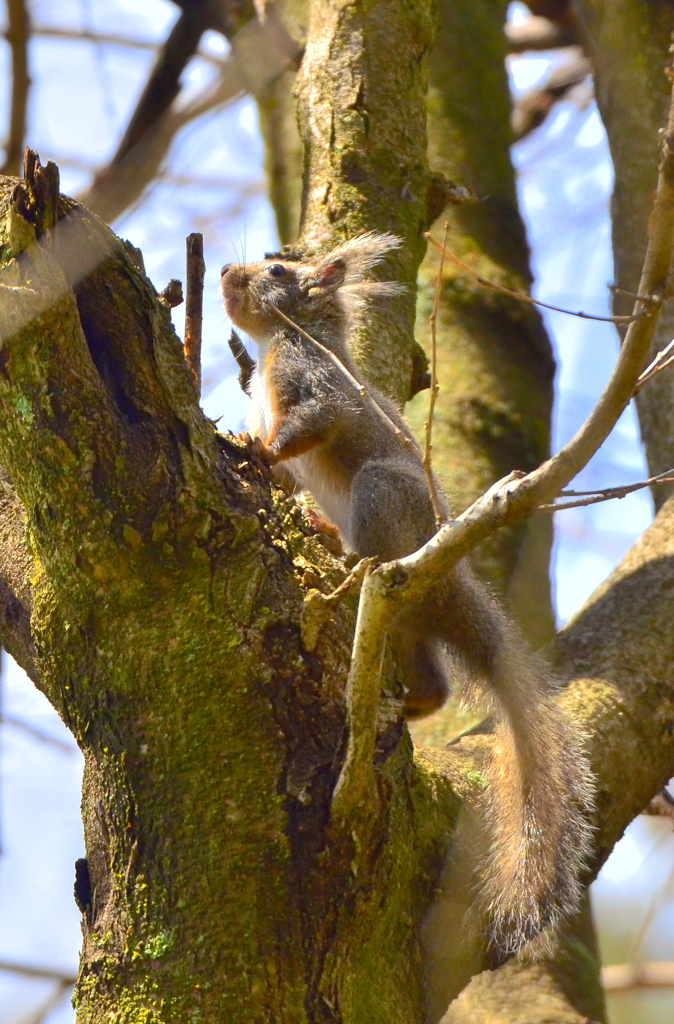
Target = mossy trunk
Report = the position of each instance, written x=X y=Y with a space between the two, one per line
x=166 y=592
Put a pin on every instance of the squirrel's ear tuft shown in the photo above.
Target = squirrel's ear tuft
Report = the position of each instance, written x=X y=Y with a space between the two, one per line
x=362 y=253
x=329 y=274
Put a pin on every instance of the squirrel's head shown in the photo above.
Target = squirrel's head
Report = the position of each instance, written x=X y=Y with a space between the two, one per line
x=308 y=293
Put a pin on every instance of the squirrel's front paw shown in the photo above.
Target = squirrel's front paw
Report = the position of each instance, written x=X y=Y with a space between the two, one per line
x=328 y=532
x=259 y=449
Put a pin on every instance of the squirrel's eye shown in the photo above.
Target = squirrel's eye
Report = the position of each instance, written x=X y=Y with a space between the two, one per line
x=277 y=270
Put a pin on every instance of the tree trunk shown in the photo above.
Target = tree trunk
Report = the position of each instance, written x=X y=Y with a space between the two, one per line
x=629 y=43
x=495 y=362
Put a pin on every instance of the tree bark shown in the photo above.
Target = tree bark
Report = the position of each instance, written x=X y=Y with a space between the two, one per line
x=363 y=124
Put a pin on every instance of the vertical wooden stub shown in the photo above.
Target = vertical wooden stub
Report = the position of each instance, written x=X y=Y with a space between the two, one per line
x=42 y=204
x=194 y=304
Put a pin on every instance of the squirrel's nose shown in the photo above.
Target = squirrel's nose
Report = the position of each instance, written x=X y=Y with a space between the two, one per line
x=224 y=270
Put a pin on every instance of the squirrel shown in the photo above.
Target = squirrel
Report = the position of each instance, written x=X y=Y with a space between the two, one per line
x=323 y=437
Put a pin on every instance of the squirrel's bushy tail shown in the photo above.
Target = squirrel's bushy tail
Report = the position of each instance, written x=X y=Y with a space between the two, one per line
x=540 y=794
x=540 y=790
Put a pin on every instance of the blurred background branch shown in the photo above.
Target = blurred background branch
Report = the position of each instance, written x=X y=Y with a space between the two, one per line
x=17 y=35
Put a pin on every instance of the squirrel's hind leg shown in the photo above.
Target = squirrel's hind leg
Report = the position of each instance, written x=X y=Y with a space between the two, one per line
x=391 y=511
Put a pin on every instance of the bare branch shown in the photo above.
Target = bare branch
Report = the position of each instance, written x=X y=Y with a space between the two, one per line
x=607 y=494
x=409 y=580
x=523 y=297
x=259 y=53
x=440 y=514
x=164 y=83
x=18 y=34
x=662 y=360
x=615 y=290
x=44 y=1011
x=154 y=123
x=194 y=302
x=113 y=39
x=355 y=795
x=34 y=971
x=37 y=734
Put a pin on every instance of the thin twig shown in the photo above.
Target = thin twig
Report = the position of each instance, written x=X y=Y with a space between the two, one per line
x=113 y=39
x=660 y=363
x=440 y=515
x=18 y=35
x=527 y=298
x=360 y=388
x=194 y=302
x=38 y=734
x=607 y=494
x=615 y=290
x=621 y=977
x=34 y=971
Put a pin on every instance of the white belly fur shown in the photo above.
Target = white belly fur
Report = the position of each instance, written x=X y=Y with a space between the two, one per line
x=307 y=470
